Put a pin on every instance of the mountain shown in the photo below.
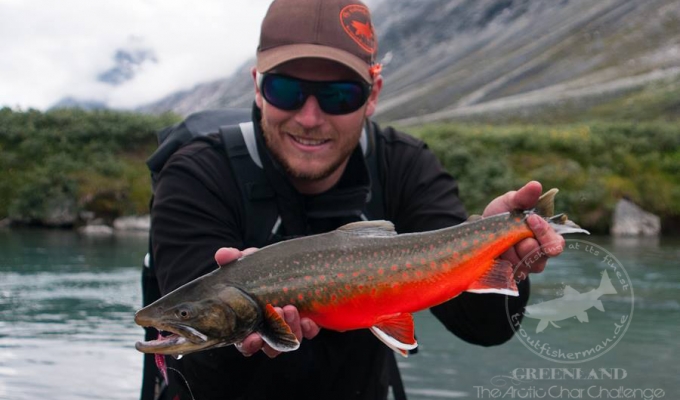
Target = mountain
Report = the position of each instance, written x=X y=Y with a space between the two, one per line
x=126 y=64
x=447 y=59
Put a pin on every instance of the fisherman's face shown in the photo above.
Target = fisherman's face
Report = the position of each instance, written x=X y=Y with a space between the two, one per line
x=314 y=146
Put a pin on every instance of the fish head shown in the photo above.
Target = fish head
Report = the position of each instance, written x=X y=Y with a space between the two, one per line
x=199 y=319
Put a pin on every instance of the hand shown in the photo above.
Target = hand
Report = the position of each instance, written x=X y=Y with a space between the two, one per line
x=547 y=242
x=301 y=327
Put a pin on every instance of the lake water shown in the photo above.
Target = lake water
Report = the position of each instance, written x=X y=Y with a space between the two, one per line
x=67 y=332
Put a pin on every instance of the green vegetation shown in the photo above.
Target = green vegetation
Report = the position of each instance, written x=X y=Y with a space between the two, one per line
x=58 y=163
x=594 y=164
x=67 y=161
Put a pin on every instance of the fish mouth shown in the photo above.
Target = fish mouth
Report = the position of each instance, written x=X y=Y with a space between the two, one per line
x=182 y=339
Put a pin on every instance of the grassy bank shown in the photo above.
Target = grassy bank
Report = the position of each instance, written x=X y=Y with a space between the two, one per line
x=56 y=164
x=69 y=161
x=593 y=164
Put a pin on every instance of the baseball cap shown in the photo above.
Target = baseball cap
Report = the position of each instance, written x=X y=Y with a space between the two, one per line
x=337 y=30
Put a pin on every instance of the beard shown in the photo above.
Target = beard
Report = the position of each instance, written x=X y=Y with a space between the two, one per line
x=271 y=134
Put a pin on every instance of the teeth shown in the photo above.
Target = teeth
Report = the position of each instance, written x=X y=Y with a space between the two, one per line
x=309 y=142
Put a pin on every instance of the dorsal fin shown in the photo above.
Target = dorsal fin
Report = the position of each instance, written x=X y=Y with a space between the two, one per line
x=370 y=228
x=546 y=203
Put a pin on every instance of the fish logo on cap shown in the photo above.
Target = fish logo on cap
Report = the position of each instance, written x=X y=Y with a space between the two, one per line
x=356 y=21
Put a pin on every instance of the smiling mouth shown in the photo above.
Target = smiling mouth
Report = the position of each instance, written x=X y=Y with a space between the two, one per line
x=308 y=142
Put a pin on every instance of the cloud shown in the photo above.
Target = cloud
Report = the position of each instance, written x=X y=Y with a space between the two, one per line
x=55 y=49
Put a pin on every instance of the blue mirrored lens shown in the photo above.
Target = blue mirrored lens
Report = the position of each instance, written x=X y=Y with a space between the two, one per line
x=338 y=97
x=283 y=93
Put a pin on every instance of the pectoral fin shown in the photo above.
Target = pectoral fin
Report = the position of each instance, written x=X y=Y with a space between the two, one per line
x=397 y=332
x=542 y=325
x=276 y=332
x=583 y=317
x=499 y=279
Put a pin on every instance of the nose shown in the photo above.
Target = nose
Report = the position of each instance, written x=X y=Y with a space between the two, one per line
x=310 y=115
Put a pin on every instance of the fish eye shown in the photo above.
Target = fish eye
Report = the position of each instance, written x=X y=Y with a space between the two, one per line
x=183 y=313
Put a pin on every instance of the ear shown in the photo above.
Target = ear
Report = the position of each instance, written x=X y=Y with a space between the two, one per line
x=372 y=101
x=258 y=95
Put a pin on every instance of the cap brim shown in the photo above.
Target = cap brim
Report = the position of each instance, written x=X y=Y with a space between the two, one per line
x=270 y=59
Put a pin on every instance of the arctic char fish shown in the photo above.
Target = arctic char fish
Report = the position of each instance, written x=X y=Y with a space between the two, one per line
x=362 y=275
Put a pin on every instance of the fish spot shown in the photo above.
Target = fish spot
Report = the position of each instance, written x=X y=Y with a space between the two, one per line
x=285 y=289
x=301 y=296
x=348 y=287
x=340 y=275
x=355 y=274
x=419 y=273
x=334 y=297
x=433 y=265
x=360 y=287
x=317 y=292
x=464 y=244
x=381 y=271
x=475 y=242
x=404 y=275
x=409 y=265
x=308 y=278
x=423 y=261
x=491 y=236
x=394 y=267
x=322 y=278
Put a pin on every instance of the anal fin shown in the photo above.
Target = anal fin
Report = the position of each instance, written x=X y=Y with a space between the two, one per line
x=397 y=332
x=499 y=279
x=276 y=332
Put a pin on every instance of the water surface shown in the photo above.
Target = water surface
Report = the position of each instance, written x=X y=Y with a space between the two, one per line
x=67 y=332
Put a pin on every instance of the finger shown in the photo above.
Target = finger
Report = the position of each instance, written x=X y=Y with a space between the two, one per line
x=551 y=242
x=292 y=318
x=249 y=251
x=226 y=255
x=271 y=353
x=520 y=270
x=523 y=199
x=251 y=344
x=309 y=328
x=526 y=197
x=512 y=256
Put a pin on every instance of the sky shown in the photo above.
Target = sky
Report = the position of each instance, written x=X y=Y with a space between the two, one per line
x=52 y=49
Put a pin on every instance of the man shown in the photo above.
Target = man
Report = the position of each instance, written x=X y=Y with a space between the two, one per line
x=316 y=83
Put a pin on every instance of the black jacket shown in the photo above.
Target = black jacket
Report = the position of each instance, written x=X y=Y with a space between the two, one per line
x=197 y=209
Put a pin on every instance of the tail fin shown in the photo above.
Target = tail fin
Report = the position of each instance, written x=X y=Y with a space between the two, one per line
x=560 y=223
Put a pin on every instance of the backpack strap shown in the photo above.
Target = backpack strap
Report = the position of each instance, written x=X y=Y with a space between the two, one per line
x=259 y=198
x=372 y=148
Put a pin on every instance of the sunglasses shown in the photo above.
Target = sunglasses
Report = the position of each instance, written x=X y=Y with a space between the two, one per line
x=334 y=97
